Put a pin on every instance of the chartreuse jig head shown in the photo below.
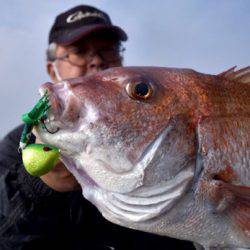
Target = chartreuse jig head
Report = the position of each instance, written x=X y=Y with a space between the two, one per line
x=38 y=159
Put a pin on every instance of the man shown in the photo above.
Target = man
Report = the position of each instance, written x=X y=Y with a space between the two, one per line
x=50 y=212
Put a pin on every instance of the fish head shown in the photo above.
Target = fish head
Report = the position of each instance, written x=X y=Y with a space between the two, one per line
x=125 y=135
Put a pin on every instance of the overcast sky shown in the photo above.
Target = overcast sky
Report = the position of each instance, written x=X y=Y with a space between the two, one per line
x=209 y=36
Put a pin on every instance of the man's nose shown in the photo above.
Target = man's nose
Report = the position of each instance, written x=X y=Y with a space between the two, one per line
x=96 y=64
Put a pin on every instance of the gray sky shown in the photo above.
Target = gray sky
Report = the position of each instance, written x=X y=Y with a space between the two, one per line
x=208 y=36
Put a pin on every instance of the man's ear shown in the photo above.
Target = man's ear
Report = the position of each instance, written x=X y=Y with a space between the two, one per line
x=51 y=71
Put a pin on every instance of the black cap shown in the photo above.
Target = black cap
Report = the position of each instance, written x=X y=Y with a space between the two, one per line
x=80 y=21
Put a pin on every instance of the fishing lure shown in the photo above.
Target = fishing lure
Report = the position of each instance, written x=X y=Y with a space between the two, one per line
x=38 y=159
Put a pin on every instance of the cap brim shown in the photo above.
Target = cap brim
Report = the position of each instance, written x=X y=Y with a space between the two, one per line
x=70 y=37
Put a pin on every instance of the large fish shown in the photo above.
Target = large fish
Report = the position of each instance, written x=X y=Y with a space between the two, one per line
x=161 y=150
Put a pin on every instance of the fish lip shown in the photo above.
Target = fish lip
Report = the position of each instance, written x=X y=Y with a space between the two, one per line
x=56 y=107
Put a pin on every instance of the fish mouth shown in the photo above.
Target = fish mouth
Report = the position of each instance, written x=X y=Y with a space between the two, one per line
x=64 y=105
x=55 y=104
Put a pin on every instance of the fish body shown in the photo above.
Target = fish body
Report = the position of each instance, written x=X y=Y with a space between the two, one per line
x=161 y=150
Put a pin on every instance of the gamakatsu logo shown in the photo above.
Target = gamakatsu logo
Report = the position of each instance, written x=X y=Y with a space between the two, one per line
x=80 y=15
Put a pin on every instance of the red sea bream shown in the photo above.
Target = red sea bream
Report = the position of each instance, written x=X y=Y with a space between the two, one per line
x=161 y=150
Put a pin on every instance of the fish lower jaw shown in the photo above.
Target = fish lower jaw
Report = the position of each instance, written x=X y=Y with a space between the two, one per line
x=84 y=180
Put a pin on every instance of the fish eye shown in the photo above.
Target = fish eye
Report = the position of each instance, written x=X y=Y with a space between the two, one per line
x=139 y=90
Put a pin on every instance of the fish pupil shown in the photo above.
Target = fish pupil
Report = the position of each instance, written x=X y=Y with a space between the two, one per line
x=141 y=89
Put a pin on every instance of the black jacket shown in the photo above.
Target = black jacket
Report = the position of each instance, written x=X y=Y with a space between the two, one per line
x=33 y=216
